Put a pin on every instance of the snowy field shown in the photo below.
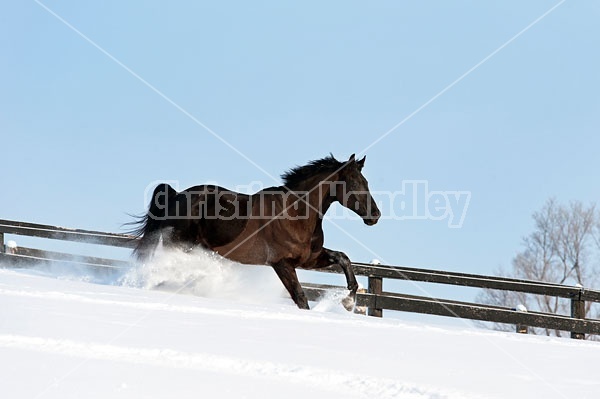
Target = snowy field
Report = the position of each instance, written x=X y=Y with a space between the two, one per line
x=70 y=337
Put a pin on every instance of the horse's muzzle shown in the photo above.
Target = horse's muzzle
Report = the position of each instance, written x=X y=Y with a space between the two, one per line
x=374 y=218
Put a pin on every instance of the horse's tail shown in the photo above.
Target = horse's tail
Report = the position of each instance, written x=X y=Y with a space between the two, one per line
x=150 y=225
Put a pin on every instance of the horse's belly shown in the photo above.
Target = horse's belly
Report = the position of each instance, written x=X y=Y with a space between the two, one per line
x=259 y=249
x=247 y=249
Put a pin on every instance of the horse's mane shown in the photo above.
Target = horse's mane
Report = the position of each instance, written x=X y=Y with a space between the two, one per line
x=298 y=175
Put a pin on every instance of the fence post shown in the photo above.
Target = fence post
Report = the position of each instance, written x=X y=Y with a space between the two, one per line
x=375 y=288
x=522 y=328
x=578 y=312
x=1 y=243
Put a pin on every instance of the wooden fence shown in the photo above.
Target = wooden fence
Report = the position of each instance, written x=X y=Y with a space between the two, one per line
x=375 y=299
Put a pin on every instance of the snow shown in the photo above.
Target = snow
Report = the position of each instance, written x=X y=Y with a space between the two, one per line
x=72 y=338
x=521 y=308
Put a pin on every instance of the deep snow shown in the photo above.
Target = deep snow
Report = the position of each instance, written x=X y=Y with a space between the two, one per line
x=61 y=338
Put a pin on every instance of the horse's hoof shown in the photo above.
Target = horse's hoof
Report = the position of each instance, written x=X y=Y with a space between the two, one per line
x=348 y=303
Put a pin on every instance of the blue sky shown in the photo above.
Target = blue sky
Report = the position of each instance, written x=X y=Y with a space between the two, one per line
x=286 y=83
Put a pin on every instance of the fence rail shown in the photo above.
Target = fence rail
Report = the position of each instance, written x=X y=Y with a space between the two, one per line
x=63 y=233
x=375 y=299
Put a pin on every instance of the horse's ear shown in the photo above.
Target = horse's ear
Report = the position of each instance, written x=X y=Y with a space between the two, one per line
x=352 y=158
x=361 y=162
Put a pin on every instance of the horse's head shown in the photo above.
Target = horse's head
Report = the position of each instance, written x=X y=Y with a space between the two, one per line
x=352 y=191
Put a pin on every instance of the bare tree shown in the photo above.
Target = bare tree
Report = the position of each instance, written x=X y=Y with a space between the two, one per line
x=564 y=249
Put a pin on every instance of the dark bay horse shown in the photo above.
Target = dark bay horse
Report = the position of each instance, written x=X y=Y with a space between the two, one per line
x=278 y=226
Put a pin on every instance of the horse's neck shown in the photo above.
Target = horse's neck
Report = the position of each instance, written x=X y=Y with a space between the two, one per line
x=318 y=194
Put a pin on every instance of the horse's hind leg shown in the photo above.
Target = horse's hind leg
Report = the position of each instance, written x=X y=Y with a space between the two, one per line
x=289 y=278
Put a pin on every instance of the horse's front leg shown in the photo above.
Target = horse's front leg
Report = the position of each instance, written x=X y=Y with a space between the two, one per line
x=289 y=278
x=328 y=257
